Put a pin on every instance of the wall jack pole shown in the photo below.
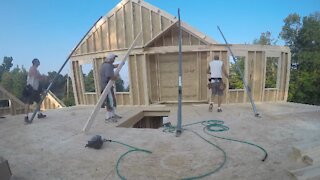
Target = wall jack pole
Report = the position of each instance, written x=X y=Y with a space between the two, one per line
x=256 y=114
x=48 y=88
x=179 y=129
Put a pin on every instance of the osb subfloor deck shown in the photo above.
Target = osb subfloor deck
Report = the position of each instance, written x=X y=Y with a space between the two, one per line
x=53 y=148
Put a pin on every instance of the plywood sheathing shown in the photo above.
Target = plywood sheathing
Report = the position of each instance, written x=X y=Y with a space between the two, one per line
x=55 y=145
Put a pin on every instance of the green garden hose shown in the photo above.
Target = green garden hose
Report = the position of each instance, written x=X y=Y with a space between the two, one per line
x=213 y=126
x=133 y=149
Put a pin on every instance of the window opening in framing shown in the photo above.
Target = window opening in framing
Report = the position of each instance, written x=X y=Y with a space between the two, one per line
x=271 y=72
x=122 y=83
x=235 y=80
x=88 y=78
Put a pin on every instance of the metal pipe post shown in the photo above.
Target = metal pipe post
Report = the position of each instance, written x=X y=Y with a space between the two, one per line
x=241 y=74
x=179 y=129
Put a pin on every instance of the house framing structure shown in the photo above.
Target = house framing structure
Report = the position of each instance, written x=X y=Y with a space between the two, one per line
x=153 y=64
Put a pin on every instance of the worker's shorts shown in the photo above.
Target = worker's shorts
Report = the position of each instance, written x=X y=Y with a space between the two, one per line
x=110 y=102
x=216 y=86
x=30 y=95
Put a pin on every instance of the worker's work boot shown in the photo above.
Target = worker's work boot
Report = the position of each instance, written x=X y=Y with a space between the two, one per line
x=114 y=119
x=210 y=107
x=40 y=116
x=26 y=120
x=109 y=119
x=117 y=116
x=219 y=109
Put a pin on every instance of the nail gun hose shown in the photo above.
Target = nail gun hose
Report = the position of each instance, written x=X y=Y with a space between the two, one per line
x=211 y=124
x=132 y=149
x=217 y=126
x=205 y=129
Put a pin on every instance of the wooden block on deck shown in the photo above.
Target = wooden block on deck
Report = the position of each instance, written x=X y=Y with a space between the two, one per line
x=308 y=153
x=312 y=158
x=307 y=173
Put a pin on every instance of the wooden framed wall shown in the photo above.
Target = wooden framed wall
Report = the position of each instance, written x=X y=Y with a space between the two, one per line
x=117 y=30
x=153 y=75
x=163 y=73
x=139 y=94
x=153 y=63
x=255 y=73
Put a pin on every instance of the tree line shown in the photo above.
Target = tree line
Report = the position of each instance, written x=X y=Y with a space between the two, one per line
x=15 y=79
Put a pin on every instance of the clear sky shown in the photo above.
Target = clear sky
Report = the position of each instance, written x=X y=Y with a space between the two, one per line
x=50 y=29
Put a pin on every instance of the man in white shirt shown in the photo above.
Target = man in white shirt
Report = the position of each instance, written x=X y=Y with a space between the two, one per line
x=216 y=68
x=32 y=91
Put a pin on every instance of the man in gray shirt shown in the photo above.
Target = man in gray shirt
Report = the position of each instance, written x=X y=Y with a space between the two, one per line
x=107 y=74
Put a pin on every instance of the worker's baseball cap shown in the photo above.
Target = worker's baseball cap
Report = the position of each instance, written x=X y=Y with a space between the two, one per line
x=110 y=57
x=35 y=60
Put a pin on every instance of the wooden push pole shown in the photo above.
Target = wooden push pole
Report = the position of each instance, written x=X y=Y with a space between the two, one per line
x=107 y=88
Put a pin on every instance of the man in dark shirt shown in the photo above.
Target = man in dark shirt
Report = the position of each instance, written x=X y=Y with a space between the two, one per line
x=107 y=74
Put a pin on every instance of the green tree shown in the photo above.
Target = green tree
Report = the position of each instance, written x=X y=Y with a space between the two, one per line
x=235 y=81
x=15 y=80
x=6 y=65
x=265 y=39
x=304 y=40
x=68 y=99
x=127 y=89
x=6 y=81
x=57 y=87
x=19 y=79
x=120 y=85
x=271 y=72
x=89 y=82
x=290 y=32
